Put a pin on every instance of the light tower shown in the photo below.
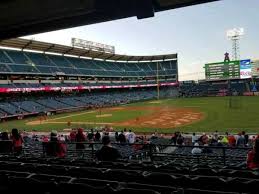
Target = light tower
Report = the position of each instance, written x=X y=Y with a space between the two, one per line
x=235 y=35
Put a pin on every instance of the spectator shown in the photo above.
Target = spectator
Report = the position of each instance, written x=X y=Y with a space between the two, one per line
x=246 y=137
x=231 y=140
x=137 y=146
x=224 y=140
x=253 y=156
x=62 y=138
x=122 y=138
x=206 y=149
x=131 y=137
x=4 y=136
x=180 y=139
x=153 y=136
x=17 y=141
x=90 y=135
x=116 y=136
x=67 y=139
x=97 y=136
x=240 y=141
x=45 y=138
x=216 y=135
x=213 y=141
x=220 y=143
x=174 y=137
x=204 y=139
x=196 y=150
x=156 y=133
x=194 y=138
x=80 y=138
x=6 y=145
x=36 y=138
x=55 y=147
x=72 y=135
x=253 y=138
x=107 y=152
x=125 y=132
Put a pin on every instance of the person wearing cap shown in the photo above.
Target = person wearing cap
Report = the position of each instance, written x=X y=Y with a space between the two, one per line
x=107 y=152
x=55 y=147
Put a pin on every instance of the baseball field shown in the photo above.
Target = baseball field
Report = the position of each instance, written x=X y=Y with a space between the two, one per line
x=185 y=114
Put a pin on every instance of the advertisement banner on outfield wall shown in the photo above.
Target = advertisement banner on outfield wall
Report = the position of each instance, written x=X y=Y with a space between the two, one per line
x=49 y=88
x=255 y=68
x=245 y=69
x=248 y=93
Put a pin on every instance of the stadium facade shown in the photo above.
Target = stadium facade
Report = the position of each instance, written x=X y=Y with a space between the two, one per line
x=51 y=78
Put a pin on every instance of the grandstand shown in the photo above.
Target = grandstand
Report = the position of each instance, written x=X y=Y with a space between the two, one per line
x=31 y=63
x=44 y=67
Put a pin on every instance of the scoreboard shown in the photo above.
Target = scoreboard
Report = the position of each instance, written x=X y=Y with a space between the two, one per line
x=227 y=70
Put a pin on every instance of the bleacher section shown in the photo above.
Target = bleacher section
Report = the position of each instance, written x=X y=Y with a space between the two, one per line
x=18 y=62
x=216 y=88
x=36 y=105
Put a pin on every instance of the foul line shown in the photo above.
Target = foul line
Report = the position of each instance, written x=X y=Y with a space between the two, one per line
x=62 y=122
x=72 y=115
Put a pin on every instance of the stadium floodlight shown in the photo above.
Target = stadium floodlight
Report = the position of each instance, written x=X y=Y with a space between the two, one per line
x=235 y=35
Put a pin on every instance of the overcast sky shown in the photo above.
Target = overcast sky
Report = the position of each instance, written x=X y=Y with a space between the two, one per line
x=196 y=33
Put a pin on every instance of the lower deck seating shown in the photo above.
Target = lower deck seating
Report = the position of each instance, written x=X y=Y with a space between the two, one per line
x=34 y=105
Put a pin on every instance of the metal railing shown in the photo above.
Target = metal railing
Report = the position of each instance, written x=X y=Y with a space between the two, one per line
x=139 y=151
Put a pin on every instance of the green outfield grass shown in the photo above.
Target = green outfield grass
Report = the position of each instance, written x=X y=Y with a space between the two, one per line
x=244 y=115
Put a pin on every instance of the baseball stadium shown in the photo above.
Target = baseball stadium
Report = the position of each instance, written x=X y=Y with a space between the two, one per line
x=144 y=95
x=83 y=118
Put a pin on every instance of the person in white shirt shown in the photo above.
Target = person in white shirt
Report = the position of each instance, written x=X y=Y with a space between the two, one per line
x=62 y=138
x=131 y=137
x=194 y=138
x=125 y=133
x=196 y=150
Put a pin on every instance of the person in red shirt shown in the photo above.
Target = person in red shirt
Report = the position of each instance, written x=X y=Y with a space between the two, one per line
x=80 y=139
x=231 y=140
x=253 y=156
x=45 y=139
x=72 y=135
